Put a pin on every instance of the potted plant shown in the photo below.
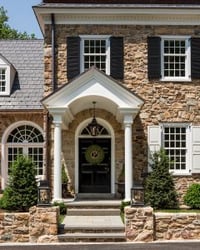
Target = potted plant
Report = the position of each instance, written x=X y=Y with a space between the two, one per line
x=64 y=182
x=121 y=182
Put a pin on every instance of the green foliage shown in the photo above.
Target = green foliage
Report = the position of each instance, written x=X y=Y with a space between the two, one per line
x=21 y=191
x=62 y=206
x=122 y=206
x=6 y=32
x=192 y=196
x=64 y=175
x=160 y=191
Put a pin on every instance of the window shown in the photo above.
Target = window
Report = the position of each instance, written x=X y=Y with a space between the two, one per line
x=175 y=142
x=175 y=60
x=104 y=52
x=27 y=140
x=95 y=52
x=182 y=144
x=2 y=80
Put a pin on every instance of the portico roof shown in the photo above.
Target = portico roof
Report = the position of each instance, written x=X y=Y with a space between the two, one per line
x=93 y=85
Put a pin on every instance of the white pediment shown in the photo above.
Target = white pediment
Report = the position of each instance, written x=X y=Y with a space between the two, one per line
x=90 y=86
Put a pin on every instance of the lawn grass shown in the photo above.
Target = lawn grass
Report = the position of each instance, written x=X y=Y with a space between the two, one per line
x=177 y=211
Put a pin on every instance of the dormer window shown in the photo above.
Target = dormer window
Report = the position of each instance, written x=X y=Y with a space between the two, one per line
x=7 y=74
x=2 y=80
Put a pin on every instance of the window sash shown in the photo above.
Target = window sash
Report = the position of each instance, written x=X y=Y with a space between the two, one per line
x=175 y=58
x=95 y=51
x=2 y=80
x=34 y=152
x=175 y=141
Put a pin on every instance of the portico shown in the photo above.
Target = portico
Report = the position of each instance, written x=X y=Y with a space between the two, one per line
x=77 y=96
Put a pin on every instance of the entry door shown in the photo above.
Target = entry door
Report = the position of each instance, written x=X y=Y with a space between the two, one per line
x=95 y=165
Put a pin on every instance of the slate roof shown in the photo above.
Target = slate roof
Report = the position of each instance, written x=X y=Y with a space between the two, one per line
x=124 y=1
x=27 y=58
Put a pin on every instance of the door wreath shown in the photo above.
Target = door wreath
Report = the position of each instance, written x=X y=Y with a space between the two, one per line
x=94 y=154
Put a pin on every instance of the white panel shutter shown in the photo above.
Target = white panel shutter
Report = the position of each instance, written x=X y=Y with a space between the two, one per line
x=154 y=142
x=195 y=149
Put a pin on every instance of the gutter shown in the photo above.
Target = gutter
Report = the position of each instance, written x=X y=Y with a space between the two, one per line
x=54 y=85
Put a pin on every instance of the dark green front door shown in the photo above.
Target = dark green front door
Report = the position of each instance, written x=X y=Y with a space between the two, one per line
x=95 y=165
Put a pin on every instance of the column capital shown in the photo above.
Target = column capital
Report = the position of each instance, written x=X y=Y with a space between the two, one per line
x=57 y=114
x=128 y=119
x=128 y=114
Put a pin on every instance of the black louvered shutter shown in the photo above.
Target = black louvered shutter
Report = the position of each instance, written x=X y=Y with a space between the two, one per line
x=117 y=57
x=154 y=61
x=73 y=57
x=195 y=58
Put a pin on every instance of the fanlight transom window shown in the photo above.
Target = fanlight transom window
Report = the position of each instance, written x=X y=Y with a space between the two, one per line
x=26 y=140
x=102 y=131
x=25 y=134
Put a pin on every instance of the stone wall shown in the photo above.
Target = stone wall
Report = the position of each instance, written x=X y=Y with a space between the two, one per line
x=177 y=226
x=43 y=224
x=141 y=224
x=14 y=227
x=39 y=225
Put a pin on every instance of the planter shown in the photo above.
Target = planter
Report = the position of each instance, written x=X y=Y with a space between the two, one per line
x=65 y=190
x=121 y=188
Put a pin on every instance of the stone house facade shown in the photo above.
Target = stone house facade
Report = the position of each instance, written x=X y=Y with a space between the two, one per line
x=133 y=68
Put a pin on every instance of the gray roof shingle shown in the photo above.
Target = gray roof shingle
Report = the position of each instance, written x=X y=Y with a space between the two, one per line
x=27 y=58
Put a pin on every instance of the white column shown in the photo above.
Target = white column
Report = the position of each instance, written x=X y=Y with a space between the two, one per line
x=128 y=120
x=57 y=184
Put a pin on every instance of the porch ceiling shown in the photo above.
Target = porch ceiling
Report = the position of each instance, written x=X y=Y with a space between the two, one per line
x=91 y=86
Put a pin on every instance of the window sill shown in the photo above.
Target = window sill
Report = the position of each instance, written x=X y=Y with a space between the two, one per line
x=175 y=79
x=174 y=174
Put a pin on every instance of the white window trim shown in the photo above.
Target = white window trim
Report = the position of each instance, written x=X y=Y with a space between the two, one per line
x=7 y=72
x=95 y=37
x=187 y=76
x=188 y=170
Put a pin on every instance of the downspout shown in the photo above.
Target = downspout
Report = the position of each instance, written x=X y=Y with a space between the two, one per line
x=54 y=85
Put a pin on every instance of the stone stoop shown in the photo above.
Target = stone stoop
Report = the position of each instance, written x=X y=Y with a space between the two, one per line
x=93 y=221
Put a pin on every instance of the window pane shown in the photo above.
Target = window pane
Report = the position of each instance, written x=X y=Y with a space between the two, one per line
x=26 y=140
x=2 y=80
x=174 y=139
x=95 y=54
x=174 y=58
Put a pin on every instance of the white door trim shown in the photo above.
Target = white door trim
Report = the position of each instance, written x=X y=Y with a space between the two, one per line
x=111 y=136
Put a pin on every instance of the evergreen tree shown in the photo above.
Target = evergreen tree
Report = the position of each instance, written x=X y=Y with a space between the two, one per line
x=159 y=186
x=6 y=32
x=21 y=192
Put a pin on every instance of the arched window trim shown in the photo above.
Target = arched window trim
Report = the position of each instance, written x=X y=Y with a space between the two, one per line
x=6 y=146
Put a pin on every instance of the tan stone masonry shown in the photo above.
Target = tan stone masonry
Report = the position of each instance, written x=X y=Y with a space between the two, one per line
x=39 y=225
x=141 y=224
x=163 y=101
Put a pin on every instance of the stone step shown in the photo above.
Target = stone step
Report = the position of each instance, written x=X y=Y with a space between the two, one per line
x=92 y=221
x=93 y=211
x=93 y=204
x=92 y=237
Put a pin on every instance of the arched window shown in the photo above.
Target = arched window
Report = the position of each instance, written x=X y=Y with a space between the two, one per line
x=26 y=140
x=101 y=130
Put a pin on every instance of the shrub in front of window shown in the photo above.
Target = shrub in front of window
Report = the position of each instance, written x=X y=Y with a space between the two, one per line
x=192 y=196
x=21 y=191
x=160 y=191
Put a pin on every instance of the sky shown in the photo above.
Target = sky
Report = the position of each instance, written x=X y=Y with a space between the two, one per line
x=21 y=15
